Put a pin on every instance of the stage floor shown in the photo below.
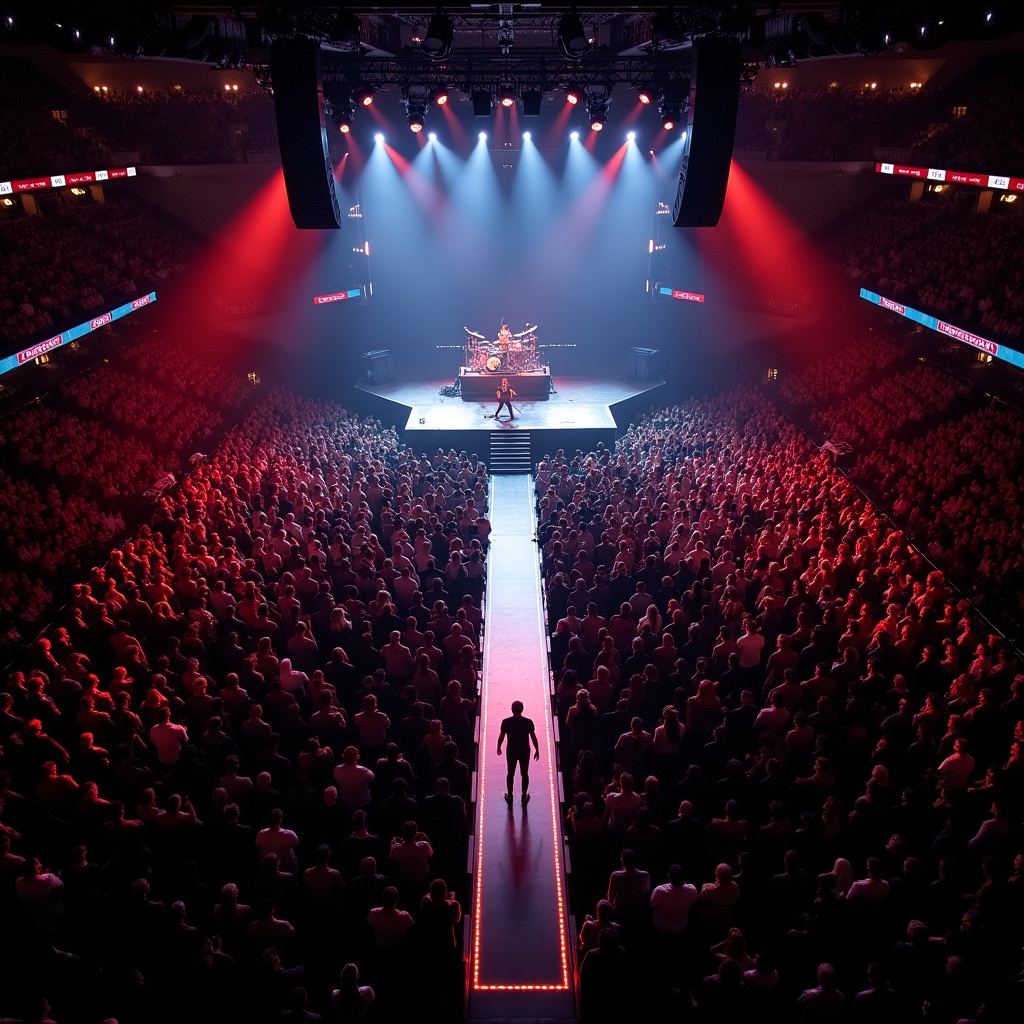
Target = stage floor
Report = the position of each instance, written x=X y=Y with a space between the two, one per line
x=577 y=404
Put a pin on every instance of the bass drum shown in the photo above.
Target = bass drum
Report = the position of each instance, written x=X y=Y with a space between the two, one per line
x=493 y=363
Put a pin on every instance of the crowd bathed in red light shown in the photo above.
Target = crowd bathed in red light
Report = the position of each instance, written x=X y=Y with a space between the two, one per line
x=245 y=609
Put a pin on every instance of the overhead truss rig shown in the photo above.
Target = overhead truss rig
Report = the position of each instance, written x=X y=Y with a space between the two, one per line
x=544 y=72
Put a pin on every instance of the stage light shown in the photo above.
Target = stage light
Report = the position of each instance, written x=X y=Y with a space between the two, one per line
x=574 y=136
x=342 y=115
x=506 y=94
x=482 y=136
x=365 y=96
x=432 y=136
x=482 y=103
x=439 y=37
x=527 y=136
x=571 y=38
x=439 y=97
x=573 y=94
x=378 y=137
x=415 y=98
x=597 y=109
x=671 y=110
x=646 y=94
x=341 y=109
x=631 y=136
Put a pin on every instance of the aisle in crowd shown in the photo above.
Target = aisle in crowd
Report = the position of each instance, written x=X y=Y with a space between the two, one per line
x=520 y=957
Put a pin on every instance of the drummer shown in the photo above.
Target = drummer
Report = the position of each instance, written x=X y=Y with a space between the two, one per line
x=504 y=337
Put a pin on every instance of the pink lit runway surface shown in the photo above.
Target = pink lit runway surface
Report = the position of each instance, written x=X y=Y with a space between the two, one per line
x=519 y=956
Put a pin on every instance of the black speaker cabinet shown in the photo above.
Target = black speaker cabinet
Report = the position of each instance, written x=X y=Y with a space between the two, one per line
x=710 y=133
x=378 y=366
x=640 y=364
x=302 y=133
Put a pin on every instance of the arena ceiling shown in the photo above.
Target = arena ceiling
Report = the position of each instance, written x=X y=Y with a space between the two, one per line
x=788 y=31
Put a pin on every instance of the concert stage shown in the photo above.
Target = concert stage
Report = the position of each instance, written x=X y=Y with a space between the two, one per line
x=529 y=386
x=579 y=414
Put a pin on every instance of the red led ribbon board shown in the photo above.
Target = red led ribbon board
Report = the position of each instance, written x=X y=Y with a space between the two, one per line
x=938 y=174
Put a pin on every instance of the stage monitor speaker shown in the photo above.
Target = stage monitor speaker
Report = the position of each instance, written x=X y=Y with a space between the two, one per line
x=302 y=133
x=640 y=364
x=710 y=132
x=379 y=366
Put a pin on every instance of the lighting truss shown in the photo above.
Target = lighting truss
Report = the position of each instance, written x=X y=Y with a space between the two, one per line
x=538 y=72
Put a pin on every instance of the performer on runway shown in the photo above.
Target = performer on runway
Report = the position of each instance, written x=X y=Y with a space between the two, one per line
x=505 y=395
x=520 y=733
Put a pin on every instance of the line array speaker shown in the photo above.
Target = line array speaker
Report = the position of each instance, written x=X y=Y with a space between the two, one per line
x=302 y=133
x=710 y=132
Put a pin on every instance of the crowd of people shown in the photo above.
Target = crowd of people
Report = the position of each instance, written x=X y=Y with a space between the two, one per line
x=983 y=123
x=830 y=123
x=238 y=762
x=78 y=478
x=89 y=459
x=118 y=248
x=942 y=256
x=843 y=372
x=38 y=133
x=872 y=417
x=942 y=457
x=48 y=129
x=958 y=489
x=180 y=126
x=174 y=420
x=792 y=755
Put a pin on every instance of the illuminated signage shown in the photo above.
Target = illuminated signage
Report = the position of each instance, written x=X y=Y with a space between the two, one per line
x=676 y=293
x=999 y=181
x=323 y=300
x=62 y=180
x=26 y=355
x=992 y=348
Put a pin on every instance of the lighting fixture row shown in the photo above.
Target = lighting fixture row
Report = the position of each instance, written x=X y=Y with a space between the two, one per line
x=527 y=136
x=672 y=100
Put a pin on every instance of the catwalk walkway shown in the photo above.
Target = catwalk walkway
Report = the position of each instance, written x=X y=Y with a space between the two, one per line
x=519 y=966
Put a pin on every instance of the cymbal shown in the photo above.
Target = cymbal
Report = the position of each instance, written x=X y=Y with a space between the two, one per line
x=473 y=334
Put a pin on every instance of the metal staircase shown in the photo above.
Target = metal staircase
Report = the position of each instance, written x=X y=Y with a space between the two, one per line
x=510 y=451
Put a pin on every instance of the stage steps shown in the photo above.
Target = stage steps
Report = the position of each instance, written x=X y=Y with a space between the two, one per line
x=510 y=451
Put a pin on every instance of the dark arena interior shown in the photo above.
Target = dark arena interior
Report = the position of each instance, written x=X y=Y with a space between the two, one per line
x=511 y=512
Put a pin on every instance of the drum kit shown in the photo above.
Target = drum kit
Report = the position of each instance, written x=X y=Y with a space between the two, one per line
x=510 y=353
